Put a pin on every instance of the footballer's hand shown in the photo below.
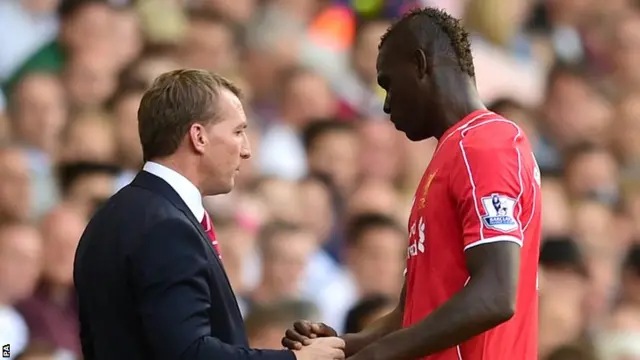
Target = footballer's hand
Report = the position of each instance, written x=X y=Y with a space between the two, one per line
x=302 y=333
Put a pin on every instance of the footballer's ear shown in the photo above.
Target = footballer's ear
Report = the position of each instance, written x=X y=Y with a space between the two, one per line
x=423 y=68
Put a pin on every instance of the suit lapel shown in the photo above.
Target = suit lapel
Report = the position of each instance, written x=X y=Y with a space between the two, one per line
x=157 y=185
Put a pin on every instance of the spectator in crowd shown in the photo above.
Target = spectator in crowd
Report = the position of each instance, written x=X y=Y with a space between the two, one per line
x=619 y=338
x=557 y=216
x=379 y=156
x=266 y=323
x=15 y=189
x=305 y=96
x=358 y=92
x=20 y=257
x=332 y=150
x=286 y=248
x=38 y=112
x=38 y=117
x=571 y=352
x=86 y=185
x=209 y=43
x=123 y=105
x=374 y=245
x=592 y=170
x=88 y=136
x=563 y=296
x=51 y=312
x=85 y=25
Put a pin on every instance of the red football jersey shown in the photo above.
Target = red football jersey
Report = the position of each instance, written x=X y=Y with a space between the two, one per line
x=481 y=186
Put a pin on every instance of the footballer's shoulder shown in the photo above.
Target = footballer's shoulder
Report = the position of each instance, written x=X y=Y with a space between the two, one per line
x=495 y=132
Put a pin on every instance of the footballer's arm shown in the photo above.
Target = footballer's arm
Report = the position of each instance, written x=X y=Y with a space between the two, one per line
x=486 y=301
x=380 y=328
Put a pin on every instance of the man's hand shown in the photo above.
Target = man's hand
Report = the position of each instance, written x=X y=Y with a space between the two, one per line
x=302 y=333
x=327 y=348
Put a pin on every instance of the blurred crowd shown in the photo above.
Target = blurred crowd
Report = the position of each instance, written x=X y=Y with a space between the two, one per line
x=316 y=226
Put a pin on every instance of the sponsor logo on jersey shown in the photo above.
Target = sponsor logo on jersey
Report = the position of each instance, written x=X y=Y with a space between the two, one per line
x=418 y=237
x=499 y=210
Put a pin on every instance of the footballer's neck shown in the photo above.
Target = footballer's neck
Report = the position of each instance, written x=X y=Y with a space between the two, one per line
x=461 y=100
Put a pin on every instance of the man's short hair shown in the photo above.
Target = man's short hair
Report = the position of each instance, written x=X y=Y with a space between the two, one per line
x=631 y=261
x=363 y=24
x=288 y=77
x=271 y=230
x=561 y=252
x=362 y=223
x=434 y=30
x=320 y=127
x=175 y=101
x=580 y=149
x=575 y=351
x=69 y=8
x=561 y=70
x=126 y=88
x=70 y=173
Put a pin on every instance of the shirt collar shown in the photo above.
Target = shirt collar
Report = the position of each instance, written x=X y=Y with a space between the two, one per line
x=188 y=192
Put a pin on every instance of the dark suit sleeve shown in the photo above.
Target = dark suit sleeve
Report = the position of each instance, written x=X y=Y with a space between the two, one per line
x=169 y=271
x=85 y=337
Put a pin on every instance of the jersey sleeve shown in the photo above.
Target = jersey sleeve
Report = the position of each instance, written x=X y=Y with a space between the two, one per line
x=487 y=183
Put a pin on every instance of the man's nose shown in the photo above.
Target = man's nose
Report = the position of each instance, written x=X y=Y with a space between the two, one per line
x=245 y=153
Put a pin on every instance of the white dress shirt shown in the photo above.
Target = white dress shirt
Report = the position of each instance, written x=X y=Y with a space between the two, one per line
x=188 y=192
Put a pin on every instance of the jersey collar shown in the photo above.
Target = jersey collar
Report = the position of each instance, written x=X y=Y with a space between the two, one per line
x=462 y=124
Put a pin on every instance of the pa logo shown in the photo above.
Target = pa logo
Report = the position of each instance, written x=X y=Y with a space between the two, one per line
x=6 y=351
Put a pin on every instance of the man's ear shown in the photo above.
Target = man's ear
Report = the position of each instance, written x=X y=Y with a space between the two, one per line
x=423 y=67
x=198 y=137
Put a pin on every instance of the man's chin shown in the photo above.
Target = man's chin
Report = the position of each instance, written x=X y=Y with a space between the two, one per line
x=222 y=189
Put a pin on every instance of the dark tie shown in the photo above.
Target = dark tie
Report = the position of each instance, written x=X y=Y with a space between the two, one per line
x=208 y=228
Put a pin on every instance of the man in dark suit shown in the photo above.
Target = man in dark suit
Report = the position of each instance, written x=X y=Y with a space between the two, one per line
x=149 y=277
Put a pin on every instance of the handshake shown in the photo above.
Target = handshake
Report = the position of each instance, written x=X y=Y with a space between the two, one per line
x=314 y=341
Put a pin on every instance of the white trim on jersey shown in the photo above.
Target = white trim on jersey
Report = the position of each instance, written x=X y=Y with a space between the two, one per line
x=473 y=189
x=461 y=127
x=482 y=239
x=494 y=239
x=533 y=204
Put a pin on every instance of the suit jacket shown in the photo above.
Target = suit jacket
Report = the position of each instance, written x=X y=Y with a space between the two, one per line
x=150 y=285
